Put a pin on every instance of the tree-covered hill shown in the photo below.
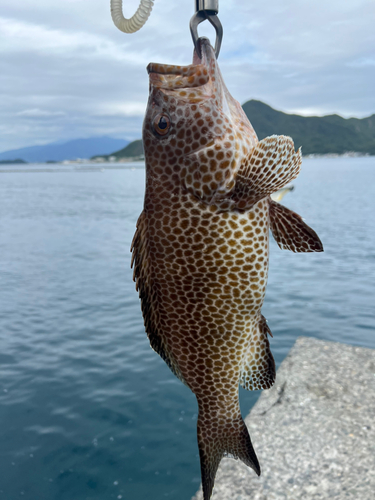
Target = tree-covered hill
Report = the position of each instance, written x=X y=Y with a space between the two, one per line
x=316 y=134
x=132 y=150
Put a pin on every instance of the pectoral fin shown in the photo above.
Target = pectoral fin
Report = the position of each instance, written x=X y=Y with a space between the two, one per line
x=290 y=232
x=271 y=165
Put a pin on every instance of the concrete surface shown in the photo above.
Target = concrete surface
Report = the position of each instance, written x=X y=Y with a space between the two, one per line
x=313 y=432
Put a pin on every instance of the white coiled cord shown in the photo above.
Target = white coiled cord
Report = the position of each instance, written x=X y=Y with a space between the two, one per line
x=136 y=22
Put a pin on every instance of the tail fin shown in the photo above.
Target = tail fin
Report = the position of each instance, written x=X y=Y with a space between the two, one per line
x=218 y=438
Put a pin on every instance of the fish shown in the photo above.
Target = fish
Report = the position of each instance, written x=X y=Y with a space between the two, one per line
x=279 y=195
x=200 y=252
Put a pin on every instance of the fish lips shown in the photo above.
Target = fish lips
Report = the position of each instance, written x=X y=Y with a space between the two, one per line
x=207 y=51
x=200 y=73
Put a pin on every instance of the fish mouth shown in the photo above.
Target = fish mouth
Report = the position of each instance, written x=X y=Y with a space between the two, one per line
x=207 y=51
x=172 y=77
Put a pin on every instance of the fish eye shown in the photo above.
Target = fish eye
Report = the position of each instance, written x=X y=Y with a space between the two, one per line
x=162 y=124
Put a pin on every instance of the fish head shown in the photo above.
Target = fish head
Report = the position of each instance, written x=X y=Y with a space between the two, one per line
x=195 y=134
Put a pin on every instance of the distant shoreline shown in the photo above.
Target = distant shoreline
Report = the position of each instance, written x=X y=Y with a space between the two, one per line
x=349 y=154
x=79 y=161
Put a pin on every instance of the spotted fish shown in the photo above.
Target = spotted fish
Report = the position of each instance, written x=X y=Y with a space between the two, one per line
x=200 y=251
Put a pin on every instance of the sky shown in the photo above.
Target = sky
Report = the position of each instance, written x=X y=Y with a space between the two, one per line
x=67 y=72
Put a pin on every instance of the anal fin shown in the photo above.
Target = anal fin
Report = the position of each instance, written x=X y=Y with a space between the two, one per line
x=259 y=370
x=291 y=232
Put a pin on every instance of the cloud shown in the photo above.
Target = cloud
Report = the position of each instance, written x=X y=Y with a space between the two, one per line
x=362 y=62
x=25 y=37
x=40 y=113
x=66 y=71
x=122 y=109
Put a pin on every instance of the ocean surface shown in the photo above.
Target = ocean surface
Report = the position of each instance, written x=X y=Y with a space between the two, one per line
x=87 y=410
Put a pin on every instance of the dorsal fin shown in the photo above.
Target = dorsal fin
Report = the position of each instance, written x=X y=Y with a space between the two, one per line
x=290 y=232
x=142 y=275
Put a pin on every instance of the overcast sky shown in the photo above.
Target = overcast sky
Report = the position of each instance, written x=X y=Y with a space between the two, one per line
x=67 y=72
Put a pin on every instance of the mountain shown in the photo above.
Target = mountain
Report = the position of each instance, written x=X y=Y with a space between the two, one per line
x=12 y=162
x=316 y=134
x=132 y=150
x=70 y=150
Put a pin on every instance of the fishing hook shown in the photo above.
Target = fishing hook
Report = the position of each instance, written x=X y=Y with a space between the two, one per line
x=206 y=9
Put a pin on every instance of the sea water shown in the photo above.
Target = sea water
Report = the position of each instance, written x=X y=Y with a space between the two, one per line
x=87 y=410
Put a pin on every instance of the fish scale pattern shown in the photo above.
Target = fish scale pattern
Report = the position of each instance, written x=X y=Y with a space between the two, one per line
x=205 y=288
x=201 y=303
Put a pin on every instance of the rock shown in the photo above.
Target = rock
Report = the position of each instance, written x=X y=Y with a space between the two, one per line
x=313 y=432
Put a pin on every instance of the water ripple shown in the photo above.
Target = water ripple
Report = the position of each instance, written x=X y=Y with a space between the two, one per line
x=90 y=411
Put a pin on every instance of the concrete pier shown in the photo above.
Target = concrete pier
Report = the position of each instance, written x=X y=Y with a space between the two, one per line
x=313 y=432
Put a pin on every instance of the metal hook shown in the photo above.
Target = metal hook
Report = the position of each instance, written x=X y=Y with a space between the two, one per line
x=206 y=9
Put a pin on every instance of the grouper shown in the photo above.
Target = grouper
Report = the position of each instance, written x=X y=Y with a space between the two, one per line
x=201 y=247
